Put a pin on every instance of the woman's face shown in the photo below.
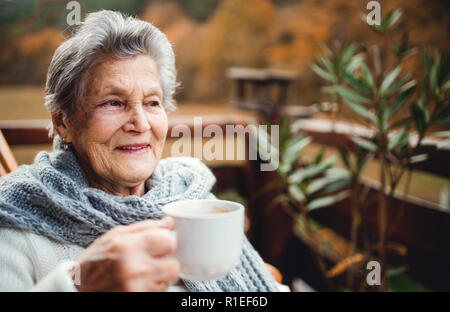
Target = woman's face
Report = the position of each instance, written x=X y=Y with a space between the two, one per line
x=120 y=128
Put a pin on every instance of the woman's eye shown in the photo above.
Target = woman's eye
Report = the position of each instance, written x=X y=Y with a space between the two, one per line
x=153 y=103
x=114 y=103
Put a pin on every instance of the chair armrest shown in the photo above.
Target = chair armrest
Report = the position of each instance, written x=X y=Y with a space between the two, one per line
x=276 y=274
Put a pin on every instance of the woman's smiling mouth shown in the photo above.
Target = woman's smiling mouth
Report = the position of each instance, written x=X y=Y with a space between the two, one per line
x=136 y=148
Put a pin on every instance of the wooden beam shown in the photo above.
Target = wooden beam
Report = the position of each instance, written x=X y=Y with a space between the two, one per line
x=323 y=132
x=26 y=132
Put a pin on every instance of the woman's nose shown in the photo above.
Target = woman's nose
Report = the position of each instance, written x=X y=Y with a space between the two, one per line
x=137 y=120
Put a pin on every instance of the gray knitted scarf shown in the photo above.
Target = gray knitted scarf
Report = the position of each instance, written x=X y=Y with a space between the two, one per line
x=52 y=197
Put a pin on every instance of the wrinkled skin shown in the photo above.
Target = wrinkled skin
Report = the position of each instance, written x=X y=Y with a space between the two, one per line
x=130 y=258
x=122 y=105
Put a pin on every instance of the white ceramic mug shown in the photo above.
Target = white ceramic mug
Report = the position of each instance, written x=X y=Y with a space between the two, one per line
x=209 y=235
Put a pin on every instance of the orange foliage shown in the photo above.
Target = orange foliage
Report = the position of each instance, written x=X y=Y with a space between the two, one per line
x=185 y=35
x=255 y=33
x=236 y=35
x=41 y=45
x=301 y=31
x=170 y=18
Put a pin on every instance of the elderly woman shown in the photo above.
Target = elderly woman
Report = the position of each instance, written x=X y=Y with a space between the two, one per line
x=93 y=205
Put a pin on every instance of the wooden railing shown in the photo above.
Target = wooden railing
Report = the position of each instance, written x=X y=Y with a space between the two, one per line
x=26 y=132
x=326 y=133
x=424 y=227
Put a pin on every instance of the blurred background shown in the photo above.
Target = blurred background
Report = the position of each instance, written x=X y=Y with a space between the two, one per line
x=211 y=36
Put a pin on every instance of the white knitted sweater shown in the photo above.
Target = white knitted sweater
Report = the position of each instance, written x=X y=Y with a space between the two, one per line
x=31 y=262
x=44 y=198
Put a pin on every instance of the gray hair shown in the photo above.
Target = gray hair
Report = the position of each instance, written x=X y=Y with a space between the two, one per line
x=106 y=33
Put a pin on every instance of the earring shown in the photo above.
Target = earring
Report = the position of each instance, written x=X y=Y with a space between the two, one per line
x=65 y=145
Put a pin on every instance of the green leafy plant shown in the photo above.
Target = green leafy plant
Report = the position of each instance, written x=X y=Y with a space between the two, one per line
x=379 y=100
x=396 y=109
x=306 y=186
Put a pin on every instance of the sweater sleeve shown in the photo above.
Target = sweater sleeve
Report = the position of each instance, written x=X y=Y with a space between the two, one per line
x=18 y=266
x=59 y=280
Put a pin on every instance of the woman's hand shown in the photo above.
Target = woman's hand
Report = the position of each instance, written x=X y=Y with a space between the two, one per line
x=131 y=258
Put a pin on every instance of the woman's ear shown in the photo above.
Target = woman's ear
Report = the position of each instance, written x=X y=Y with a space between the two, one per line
x=61 y=126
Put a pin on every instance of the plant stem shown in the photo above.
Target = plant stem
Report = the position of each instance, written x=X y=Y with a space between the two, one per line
x=354 y=230
x=364 y=232
x=402 y=202
x=314 y=248
x=382 y=223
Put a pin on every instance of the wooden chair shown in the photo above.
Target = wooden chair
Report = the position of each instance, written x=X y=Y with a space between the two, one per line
x=8 y=162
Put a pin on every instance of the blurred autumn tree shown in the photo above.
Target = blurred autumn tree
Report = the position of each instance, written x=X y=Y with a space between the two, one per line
x=236 y=35
x=31 y=30
x=199 y=9
x=210 y=35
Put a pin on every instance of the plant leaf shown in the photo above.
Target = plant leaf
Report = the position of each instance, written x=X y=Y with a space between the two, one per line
x=399 y=281
x=337 y=173
x=293 y=151
x=318 y=184
x=356 y=83
x=367 y=145
x=389 y=80
x=396 y=139
x=334 y=186
x=323 y=74
x=327 y=200
x=427 y=60
x=418 y=117
x=398 y=84
x=344 y=156
x=345 y=56
x=442 y=116
x=434 y=74
x=446 y=85
x=330 y=177
x=361 y=161
x=392 y=19
x=300 y=175
x=361 y=110
x=399 y=101
x=367 y=76
x=351 y=95
x=354 y=63
x=296 y=192
x=328 y=65
x=319 y=157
